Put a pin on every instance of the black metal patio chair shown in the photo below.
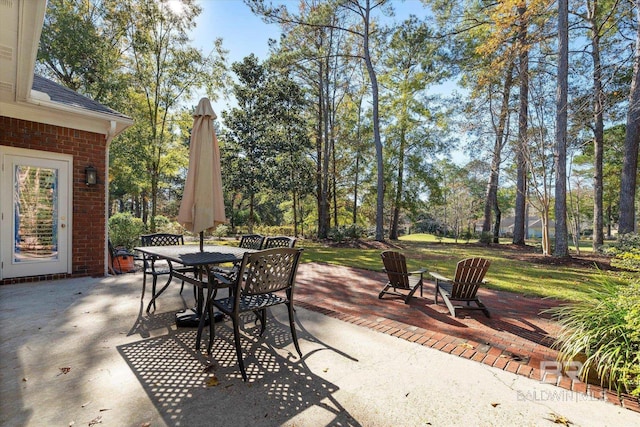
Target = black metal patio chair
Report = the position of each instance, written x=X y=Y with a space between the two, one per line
x=266 y=278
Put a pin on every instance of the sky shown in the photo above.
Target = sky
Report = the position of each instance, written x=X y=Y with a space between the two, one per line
x=244 y=33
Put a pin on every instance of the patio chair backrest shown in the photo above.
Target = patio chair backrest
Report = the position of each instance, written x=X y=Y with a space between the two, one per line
x=161 y=239
x=469 y=275
x=251 y=241
x=268 y=271
x=279 y=242
x=395 y=265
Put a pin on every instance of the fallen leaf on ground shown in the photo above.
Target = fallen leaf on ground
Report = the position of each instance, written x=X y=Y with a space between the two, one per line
x=213 y=381
x=466 y=345
x=559 y=419
x=96 y=420
x=65 y=370
x=494 y=404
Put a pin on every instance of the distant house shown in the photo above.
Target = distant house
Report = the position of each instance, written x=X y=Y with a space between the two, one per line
x=54 y=147
x=533 y=227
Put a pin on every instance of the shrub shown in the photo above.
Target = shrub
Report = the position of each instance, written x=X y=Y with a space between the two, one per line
x=605 y=328
x=341 y=233
x=222 y=230
x=165 y=225
x=125 y=230
x=625 y=252
x=486 y=238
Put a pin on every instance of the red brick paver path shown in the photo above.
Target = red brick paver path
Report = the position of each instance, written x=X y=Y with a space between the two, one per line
x=517 y=337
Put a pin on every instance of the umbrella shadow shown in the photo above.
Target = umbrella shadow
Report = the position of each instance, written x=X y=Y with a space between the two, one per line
x=178 y=380
x=144 y=324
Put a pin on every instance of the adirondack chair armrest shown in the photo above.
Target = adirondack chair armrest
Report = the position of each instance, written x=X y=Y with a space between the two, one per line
x=439 y=277
x=420 y=272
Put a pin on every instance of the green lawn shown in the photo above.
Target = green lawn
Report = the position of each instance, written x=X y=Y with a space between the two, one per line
x=510 y=269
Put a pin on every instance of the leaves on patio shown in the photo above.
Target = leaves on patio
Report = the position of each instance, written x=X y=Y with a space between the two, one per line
x=494 y=404
x=213 y=381
x=559 y=419
x=96 y=420
x=65 y=370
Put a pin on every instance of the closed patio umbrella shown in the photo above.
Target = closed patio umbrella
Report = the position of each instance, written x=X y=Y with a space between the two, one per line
x=202 y=205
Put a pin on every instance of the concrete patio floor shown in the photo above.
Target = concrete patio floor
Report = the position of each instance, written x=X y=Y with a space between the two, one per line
x=83 y=352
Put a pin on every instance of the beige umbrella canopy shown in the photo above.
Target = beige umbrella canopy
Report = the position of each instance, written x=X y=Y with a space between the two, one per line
x=202 y=205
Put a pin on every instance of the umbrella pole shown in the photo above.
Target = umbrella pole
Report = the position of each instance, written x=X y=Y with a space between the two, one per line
x=202 y=241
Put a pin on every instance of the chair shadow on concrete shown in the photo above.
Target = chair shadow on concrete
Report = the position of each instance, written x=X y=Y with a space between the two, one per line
x=145 y=323
x=177 y=379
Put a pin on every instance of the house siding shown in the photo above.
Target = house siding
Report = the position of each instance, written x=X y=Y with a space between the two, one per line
x=89 y=221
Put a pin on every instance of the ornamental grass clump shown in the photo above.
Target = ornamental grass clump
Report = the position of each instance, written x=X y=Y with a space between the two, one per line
x=603 y=332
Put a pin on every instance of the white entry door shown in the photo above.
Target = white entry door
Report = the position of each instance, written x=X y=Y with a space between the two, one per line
x=35 y=207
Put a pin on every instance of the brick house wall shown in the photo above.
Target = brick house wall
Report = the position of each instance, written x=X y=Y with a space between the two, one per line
x=87 y=148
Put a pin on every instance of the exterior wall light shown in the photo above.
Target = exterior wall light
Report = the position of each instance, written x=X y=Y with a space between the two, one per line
x=90 y=175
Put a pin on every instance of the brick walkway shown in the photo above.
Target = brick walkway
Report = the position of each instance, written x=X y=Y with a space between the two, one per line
x=517 y=337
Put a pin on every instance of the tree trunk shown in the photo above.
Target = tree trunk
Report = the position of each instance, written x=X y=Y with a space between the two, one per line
x=491 y=201
x=631 y=142
x=325 y=153
x=322 y=205
x=393 y=232
x=562 y=238
x=496 y=226
x=546 y=239
x=598 y=129
x=356 y=179
x=521 y=158
x=376 y=127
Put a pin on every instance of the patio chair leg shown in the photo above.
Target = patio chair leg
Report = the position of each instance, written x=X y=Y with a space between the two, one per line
x=262 y=315
x=212 y=330
x=383 y=291
x=144 y=285
x=153 y=290
x=236 y=337
x=450 y=306
x=408 y=298
x=292 y=324
x=484 y=308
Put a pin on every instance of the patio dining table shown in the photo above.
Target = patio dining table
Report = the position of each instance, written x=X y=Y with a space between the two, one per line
x=203 y=261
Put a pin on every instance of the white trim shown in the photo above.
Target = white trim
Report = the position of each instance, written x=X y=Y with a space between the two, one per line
x=31 y=19
x=57 y=115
